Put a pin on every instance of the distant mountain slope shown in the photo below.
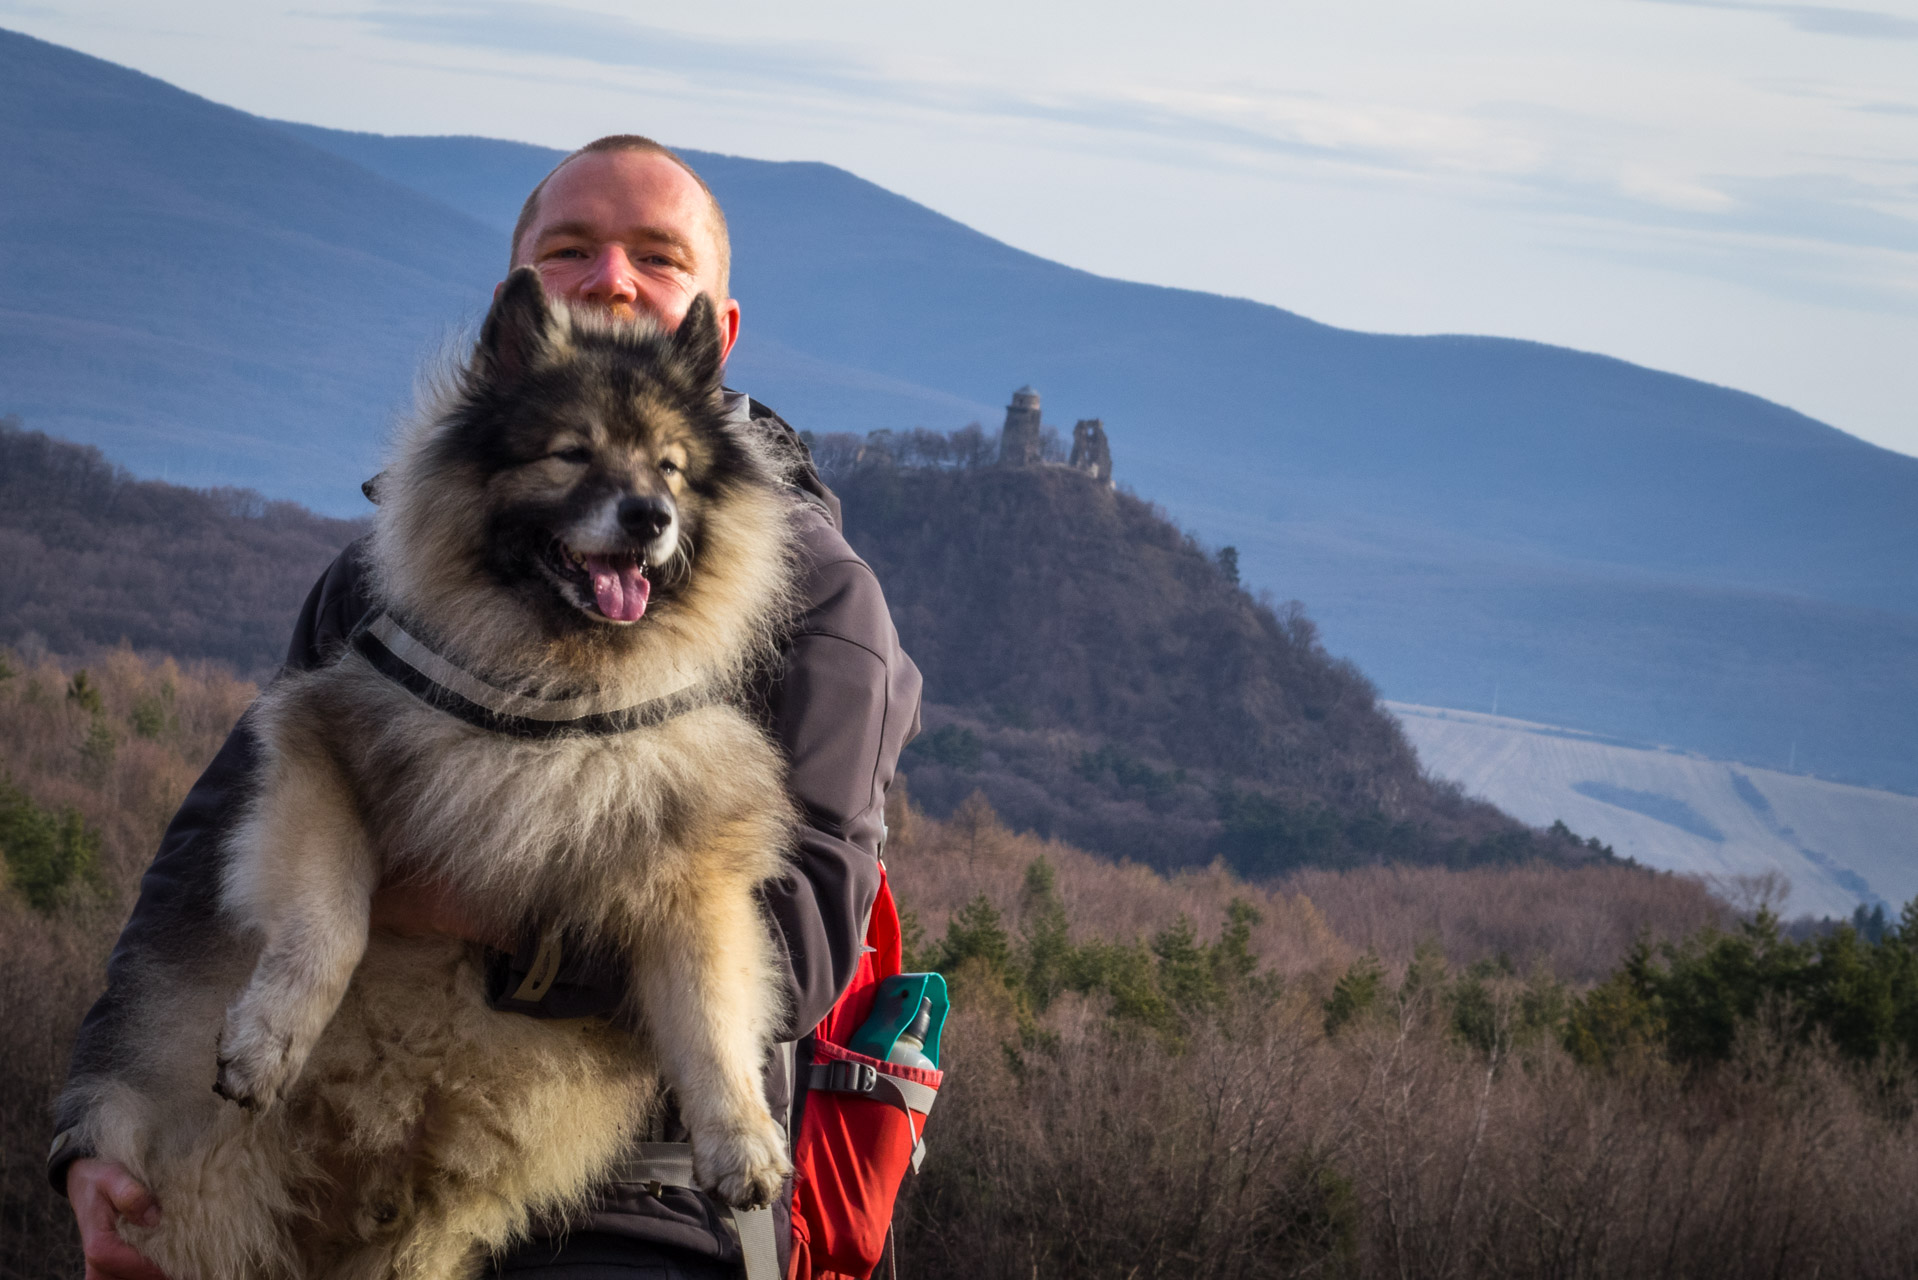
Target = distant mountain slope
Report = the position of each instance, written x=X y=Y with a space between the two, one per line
x=1732 y=672
x=1837 y=845
x=202 y=296
x=1207 y=398
x=1461 y=514
x=90 y=556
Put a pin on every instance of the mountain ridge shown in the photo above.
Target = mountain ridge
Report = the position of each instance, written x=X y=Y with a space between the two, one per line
x=793 y=308
x=1441 y=502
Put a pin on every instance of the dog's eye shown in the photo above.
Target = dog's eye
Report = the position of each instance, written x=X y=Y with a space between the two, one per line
x=574 y=454
x=668 y=468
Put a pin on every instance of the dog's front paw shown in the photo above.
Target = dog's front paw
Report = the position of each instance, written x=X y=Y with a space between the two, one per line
x=743 y=1167
x=254 y=1066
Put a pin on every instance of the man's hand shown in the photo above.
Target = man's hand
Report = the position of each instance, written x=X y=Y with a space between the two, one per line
x=427 y=909
x=101 y=1194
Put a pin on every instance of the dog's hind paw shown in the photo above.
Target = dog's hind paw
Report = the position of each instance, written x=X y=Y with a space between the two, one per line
x=744 y=1167
x=252 y=1071
x=232 y=1092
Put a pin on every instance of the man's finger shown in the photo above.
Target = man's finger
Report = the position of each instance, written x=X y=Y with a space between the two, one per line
x=111 y=1258
x=130 y=1198
x=118 y=1261
x=102 y=1193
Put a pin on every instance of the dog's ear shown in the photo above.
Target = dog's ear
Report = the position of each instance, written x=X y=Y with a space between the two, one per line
x=701 y=355
x=522 y=331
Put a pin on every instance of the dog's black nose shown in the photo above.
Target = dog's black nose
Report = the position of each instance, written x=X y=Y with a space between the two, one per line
x=645 y=517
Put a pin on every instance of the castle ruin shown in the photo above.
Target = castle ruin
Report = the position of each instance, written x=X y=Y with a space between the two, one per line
x=1022 y=440
x=1090 y=452
x=1019 y=443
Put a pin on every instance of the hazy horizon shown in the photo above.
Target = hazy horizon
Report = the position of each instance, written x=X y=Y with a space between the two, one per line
x=1716 y=188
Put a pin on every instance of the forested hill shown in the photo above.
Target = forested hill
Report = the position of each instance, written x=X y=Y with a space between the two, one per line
x=1103 y=678
x=90 y=556
x=1088 y=666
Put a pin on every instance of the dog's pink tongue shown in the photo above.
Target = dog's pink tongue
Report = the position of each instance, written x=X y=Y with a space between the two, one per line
x=620 y=588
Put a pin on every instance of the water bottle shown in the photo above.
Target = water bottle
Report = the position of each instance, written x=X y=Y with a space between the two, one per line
x=908 y=1015
x=909 y=1050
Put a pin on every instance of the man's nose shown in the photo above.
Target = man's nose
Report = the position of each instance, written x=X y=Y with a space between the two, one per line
x=612 y=280
x=645 y=517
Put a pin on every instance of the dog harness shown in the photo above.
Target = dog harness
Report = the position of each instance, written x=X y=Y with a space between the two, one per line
x=432 y=678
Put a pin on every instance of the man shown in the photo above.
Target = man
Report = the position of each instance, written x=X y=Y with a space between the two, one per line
x=625 y=225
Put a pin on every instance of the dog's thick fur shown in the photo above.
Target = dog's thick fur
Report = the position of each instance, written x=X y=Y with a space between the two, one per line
x=376 y=1118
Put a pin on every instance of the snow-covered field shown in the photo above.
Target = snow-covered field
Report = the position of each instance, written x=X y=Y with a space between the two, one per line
x=1838 y=845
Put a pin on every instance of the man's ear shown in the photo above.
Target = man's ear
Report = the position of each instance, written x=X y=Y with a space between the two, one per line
x=697 y=344
x=522 y=331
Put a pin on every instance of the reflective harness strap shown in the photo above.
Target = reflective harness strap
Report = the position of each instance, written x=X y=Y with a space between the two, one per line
x=909 y=1096
x=670 y=1164
x=436 y=680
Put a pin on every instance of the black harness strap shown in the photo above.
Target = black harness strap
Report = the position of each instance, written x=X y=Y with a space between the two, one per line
x=431 y=678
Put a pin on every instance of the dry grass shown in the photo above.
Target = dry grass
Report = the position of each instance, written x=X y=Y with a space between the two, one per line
x=125 y=786
x=1262 y=1146
x=1086 y=1146
x=1266 y=1148
x=937 y=867
x=1576 y=922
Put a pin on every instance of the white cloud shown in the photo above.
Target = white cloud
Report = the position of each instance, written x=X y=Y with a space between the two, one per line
x=1672 y=192
x=1819 y=19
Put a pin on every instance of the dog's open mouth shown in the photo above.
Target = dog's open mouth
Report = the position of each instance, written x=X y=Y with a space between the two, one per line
x=617 y=584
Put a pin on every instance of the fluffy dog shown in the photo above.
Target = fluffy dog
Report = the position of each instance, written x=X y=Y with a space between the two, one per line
x=577 y=565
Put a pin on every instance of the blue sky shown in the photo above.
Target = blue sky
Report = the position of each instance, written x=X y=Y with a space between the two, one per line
x=1721 y=188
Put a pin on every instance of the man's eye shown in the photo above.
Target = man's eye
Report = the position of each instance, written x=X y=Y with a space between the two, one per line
x=575 y=454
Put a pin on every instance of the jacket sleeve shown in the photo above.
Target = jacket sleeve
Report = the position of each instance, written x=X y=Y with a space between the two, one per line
x=843 y=704
x=181 y=887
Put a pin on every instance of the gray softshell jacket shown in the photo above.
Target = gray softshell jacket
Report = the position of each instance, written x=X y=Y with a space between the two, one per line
x=843 y=705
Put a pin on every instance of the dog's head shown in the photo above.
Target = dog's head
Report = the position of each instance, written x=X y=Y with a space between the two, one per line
x=582 y=475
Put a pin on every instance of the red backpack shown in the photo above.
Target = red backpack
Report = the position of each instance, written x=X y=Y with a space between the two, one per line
x=864 y=1125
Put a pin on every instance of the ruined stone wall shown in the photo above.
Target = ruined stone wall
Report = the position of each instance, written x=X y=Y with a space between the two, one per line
x=1090 y=452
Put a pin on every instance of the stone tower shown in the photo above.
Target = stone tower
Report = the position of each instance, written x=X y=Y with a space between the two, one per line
x=1090 y=452
x=1019 y=442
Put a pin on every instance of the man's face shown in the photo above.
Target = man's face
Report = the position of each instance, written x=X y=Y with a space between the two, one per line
x=629 y=231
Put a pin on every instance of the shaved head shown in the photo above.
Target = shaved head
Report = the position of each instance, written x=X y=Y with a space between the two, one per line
x=529 y=212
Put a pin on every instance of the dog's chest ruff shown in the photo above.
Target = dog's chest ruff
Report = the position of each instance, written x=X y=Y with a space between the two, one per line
x=435 y=680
